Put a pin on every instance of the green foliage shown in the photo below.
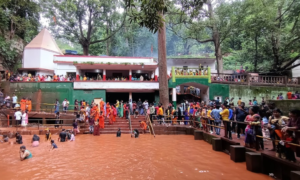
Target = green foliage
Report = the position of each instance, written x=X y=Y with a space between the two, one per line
x=85 y=22
x=268 y=35
x=9 y=54
x=19 y=21
x=147 y=13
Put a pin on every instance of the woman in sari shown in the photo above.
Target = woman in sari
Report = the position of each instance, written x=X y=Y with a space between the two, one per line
x=101 y=120
x=96 y=129
x=111 y=116
x=253 y=114
x=121 y=109
x=56 y=106
x=114 y=113
x=23 y=104
x=107 y=109
x=275 y=123
x=29 y=105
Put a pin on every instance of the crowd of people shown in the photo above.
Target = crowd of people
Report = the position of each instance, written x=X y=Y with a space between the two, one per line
x=58 y=78
x=254 y=122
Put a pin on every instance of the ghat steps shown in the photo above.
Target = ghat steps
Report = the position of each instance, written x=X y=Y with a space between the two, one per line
x=121 y=123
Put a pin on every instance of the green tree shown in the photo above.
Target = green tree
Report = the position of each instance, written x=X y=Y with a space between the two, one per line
x=211 y=24
x=19 y=21
x=80 y=20
x=268 y=35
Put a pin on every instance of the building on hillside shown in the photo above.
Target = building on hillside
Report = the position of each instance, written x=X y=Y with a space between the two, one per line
x=42 y=56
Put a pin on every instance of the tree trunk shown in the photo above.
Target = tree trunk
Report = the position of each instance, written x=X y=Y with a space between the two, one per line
x=107 y=41
x=256 y=54
x=218 y=52
x=85 y=49
x=216 y=39
x=162 y=65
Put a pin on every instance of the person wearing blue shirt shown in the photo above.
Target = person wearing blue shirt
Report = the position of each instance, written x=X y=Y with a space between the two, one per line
x=255 y=102
x=215 y=114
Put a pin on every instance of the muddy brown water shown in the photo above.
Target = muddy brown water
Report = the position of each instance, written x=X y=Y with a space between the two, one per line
x=107 y=157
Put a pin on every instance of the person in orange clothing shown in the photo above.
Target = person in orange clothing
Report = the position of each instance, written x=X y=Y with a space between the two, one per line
x=111 y=116
x=143 y=125
x=101 y=120
x=114 y=113
x=23 y=104
x=107 y=109
x=54 y=77
x=174 y=117
x=102 y=105
x=29 y=105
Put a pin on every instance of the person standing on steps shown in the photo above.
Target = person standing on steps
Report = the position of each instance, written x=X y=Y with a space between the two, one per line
x=225 y=117
x=130 y=106
x=241 y=114
x=140 y=106
x=152 y=112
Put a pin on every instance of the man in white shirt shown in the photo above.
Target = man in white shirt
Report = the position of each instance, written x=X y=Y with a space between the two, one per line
x=18 y=116
x=14 y=100
x=146 y=105
x=65 y=105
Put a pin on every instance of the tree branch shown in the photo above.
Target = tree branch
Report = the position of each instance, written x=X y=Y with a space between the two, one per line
x=112 y=34
x=292 y=67
x=285 y=10
x=291 y=62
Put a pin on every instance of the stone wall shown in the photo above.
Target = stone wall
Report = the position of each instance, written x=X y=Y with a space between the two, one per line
x=286 y=105
x=248 y=92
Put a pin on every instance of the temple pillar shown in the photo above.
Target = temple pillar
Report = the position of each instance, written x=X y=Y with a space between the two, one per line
x=104 y=74
x=174 y=94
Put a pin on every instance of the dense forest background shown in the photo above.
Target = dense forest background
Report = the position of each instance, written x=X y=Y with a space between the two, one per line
x=263 y=35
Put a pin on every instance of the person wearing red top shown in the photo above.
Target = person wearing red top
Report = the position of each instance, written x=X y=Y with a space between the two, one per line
x=289 y=95
x=289 y=153
x=101 y=120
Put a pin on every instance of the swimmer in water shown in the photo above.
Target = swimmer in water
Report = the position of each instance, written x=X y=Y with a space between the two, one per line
x=24 y=153
x=53 y=145
x=119 y=133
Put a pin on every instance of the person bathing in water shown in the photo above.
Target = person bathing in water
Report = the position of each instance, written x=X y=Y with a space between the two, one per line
x=119 y=133
x=24 y=153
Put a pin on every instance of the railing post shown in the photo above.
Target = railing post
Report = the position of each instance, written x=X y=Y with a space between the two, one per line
x=248 y=79
x=209 y=74
x=173 y=74
x=285 y=80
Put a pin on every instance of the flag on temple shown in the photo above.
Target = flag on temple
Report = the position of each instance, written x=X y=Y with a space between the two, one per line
x=151 y=48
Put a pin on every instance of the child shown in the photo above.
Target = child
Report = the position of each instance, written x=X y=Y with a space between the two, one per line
x=119 y=133
x=53 y=145
x=48 y=135
x=5 y=138
x=289 y=153
x=256 y=124
x=72 y=137
x=250 y=103
x=136 y=113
